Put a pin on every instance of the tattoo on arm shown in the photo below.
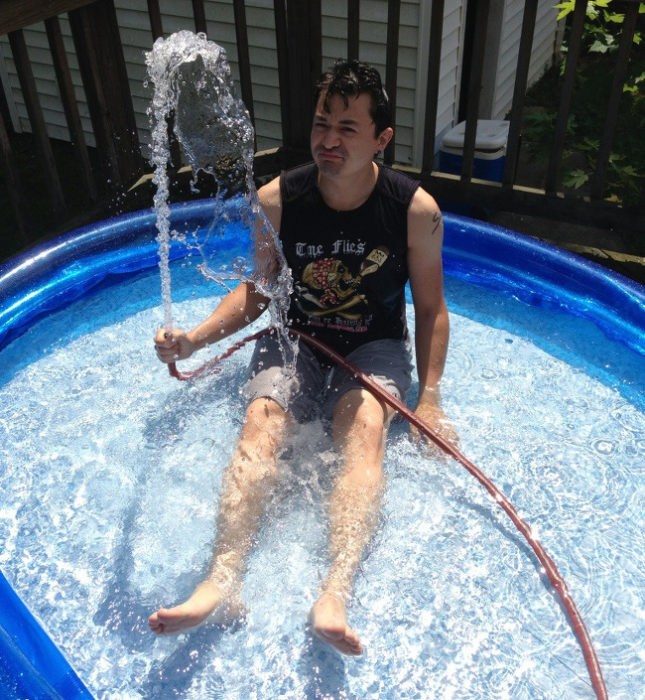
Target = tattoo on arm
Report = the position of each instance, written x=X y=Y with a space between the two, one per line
x=436 y=220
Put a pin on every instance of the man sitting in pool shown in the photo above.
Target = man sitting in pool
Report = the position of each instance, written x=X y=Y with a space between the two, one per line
x=353 y=233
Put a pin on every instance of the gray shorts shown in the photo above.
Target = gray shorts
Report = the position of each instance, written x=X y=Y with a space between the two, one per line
x=312 y=388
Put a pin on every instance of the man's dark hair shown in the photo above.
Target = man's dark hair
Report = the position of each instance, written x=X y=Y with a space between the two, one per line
x=351 y=79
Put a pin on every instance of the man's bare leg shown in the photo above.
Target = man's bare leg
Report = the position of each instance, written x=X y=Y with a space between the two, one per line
x=360 y=426
x=248 y=481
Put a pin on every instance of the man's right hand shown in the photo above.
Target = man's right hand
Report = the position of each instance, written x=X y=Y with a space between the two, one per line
x=173 y=345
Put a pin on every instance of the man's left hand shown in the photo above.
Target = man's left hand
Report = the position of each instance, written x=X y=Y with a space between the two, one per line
x=429 y=410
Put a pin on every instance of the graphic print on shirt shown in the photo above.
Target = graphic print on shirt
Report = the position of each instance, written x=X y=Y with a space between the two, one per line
x=329 y=287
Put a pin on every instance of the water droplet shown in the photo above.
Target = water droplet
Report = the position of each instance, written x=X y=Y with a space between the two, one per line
x=605 y=447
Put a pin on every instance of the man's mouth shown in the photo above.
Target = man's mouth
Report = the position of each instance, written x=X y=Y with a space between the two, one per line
x=330 y=155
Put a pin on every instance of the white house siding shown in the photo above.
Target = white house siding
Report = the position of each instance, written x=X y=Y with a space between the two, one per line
x=449 y=72
x=41 y=63
x=136 y=37
x=263 y=56
x=372 y=49
x=413 y=62
x=545 y=38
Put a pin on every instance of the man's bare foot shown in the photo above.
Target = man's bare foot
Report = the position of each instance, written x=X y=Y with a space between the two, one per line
x=329 y=621
x=207 y=601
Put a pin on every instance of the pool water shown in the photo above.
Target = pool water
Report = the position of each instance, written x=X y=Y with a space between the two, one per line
x=110 y=472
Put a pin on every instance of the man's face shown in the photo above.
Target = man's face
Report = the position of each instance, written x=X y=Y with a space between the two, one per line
x=344 y=139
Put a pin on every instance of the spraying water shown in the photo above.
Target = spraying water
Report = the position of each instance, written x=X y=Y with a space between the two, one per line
x=192 y=83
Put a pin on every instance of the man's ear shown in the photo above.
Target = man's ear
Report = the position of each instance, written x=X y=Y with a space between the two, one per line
x=385 y=137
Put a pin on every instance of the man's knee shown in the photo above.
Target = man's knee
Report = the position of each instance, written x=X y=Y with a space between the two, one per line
x=262 y=434
x=264 y=418
x=359 y=414
x=359 y=405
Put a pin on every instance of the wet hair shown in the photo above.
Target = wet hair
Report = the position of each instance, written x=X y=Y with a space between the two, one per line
x=351 y=79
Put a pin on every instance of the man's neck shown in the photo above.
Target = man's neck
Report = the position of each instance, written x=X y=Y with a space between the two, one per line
x=347 y=193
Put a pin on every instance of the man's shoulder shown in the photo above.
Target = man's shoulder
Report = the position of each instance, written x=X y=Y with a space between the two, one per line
x=269 y=196
x=423 y=203
x=297 y=181
x=396 y=185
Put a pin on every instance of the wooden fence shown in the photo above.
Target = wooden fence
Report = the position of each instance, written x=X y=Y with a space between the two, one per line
x=99 y=52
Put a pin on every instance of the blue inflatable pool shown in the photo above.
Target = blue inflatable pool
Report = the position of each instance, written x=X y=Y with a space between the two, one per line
x=53 y=275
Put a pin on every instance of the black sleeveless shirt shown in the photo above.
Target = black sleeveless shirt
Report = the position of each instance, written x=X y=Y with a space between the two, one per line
x=349 y=267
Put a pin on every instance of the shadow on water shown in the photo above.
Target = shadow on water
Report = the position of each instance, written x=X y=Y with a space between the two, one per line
x=517 y=539
x=123 y=611
x=322 y=669
x=121 y=608
x=174 y=675
x=191 y=401
x=508 y=533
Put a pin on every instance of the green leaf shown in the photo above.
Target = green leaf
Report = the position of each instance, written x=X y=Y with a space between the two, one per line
x=565 y=8
x=598 y=47
x=614 y=17
x=575 y=179
x=630 y=171
x=589 y=144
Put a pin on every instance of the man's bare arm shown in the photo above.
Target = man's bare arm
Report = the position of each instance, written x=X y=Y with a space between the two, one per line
x=241 y=306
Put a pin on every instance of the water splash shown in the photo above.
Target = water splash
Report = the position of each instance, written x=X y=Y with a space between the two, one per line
x=193 y=85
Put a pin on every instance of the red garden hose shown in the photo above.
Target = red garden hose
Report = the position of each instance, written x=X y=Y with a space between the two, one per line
x=558 y=583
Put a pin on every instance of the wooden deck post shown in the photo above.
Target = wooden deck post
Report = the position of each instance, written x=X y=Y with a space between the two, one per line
x=12 y=182
x=66 y=87
x=554 y=170
x=100 y=56
x=298 y=33
x=613 y=104
x=37 y=121
x=391 y=68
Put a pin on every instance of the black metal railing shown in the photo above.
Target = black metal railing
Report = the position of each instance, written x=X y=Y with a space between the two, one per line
x=548 y=200
x=100 y=58
x=298 y=39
